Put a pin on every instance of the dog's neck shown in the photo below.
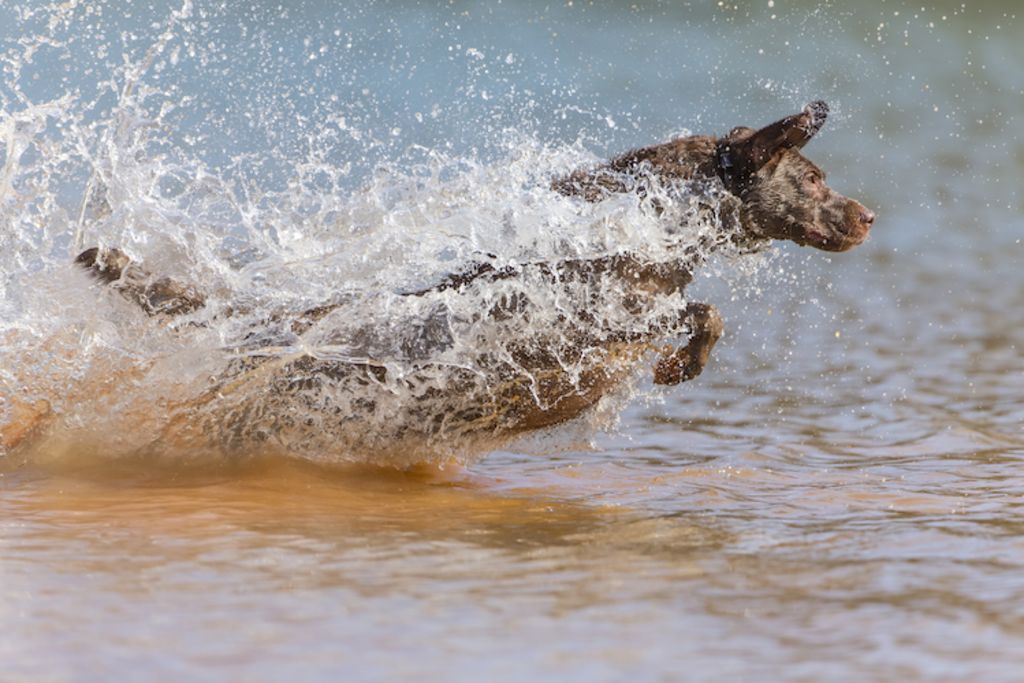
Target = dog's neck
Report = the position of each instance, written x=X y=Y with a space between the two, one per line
x=728 y=169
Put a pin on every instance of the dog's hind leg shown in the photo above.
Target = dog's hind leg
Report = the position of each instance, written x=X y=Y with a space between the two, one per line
x=156 y=296
x=25 y=419
x=687 y=362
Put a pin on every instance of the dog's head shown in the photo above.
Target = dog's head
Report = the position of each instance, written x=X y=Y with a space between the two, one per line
x=784 y=195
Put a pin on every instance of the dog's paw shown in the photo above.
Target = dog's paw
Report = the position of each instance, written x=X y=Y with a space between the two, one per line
x=677 y=367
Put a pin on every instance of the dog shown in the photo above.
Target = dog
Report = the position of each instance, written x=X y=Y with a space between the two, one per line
x=782 y=195
x=533 y=383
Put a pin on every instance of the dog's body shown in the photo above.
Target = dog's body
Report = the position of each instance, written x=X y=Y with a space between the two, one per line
x=781 y=195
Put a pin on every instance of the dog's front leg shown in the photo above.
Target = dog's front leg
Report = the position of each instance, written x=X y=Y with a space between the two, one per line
x=682 y=364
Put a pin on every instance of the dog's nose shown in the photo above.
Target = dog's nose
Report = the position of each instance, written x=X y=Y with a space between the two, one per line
x=867 y=217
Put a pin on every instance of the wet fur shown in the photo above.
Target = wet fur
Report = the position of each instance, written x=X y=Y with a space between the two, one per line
x=782 y=195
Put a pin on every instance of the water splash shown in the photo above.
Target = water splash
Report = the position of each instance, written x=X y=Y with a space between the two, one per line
x=326 y=332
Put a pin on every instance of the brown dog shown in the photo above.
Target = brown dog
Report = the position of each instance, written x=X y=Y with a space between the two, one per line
x=780 y=195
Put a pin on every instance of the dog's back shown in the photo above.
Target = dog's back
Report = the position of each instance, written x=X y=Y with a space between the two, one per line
x=541 y=379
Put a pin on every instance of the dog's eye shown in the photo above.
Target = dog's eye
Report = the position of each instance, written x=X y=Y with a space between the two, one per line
x=813 y=179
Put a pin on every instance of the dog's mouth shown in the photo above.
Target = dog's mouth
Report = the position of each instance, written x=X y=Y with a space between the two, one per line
x=852 y=232
x=813 y=238
x=837 y=241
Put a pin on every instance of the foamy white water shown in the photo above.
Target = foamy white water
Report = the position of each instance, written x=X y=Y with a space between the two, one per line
x=391 y=369
x=837 y=497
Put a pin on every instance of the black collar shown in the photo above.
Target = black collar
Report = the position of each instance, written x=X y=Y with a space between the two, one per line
x=725 y=168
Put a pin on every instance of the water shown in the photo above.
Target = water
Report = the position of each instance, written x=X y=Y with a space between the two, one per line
x=836 y=497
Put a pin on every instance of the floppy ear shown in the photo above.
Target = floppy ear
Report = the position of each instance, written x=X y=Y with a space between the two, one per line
x=791 y=132
x=744 y=157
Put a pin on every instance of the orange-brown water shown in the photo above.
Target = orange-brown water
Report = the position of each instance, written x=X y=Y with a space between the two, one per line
x=631 y=561
x=838 y=497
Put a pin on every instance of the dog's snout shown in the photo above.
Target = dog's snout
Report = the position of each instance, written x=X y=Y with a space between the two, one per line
x=867 y=216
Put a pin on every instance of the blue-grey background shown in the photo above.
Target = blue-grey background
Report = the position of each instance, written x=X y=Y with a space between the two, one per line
x=838 y=497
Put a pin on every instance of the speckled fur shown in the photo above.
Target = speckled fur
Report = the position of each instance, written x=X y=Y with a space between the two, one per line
x=782 y=195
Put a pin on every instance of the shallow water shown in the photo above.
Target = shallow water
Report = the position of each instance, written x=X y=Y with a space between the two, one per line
x=837 y=497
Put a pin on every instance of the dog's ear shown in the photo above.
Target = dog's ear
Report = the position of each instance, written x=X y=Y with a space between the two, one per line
x=792 y=132
x=744 y=151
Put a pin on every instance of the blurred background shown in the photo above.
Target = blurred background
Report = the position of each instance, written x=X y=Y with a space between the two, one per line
x=837 y=497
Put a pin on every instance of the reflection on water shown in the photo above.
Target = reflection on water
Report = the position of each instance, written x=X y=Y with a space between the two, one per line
x=639 y=557
x=839 y=496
